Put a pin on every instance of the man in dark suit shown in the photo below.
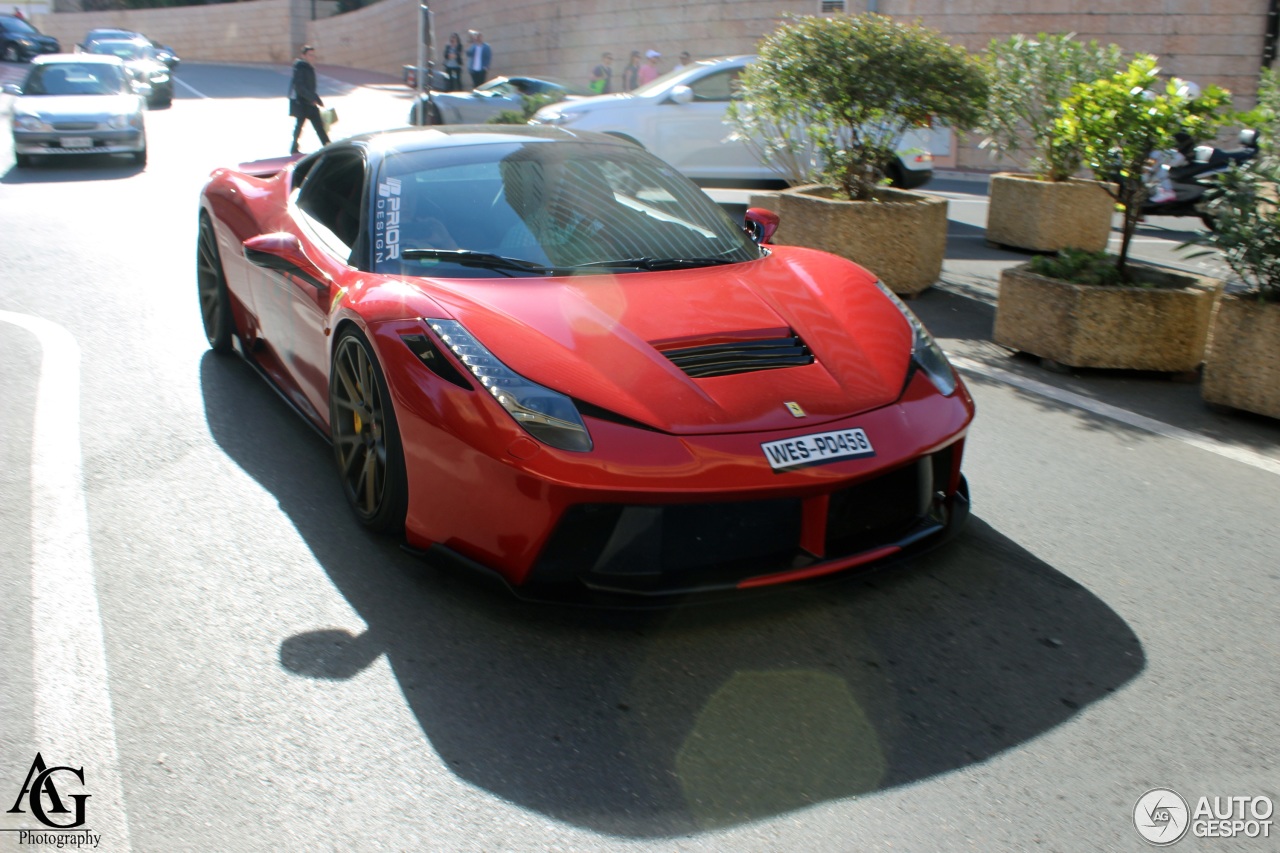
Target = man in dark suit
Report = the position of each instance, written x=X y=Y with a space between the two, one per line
x=304 y=100
x=479 y=58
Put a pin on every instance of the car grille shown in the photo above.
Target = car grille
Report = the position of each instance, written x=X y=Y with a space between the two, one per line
x=75 y=125
x=743 y=356
x=678 y=547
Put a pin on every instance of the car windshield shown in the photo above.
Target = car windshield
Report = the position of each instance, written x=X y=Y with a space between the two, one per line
x=544 y=207
x=17 y=25
x=74 y=78
x=126 y=50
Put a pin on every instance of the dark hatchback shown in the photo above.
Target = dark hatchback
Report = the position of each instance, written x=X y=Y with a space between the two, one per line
x=19 y=41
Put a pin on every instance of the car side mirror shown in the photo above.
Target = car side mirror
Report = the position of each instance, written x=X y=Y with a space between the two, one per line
x=681 y=95
x=282 y=251
x=11 y=89
x=760 y=224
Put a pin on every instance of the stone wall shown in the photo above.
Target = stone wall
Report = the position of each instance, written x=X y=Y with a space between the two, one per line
x=1209 y=41
x=255 y=31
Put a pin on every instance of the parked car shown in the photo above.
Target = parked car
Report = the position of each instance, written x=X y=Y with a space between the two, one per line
x=163 y=52
x=19 y=41
x=76 y=104
x=680 y=117
x=140 y=58
x=486 y=101
x=549 y=357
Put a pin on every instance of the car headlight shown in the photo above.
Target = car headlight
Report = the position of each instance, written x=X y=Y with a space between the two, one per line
x=925 y=352
x=160 y=77
x=30 y=122
x=120 y=122
x=547 y=415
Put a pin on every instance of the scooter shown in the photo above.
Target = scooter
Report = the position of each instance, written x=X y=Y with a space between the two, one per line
x=1192 y=179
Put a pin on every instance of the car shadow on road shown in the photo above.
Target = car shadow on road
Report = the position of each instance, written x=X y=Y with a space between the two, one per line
x=652 y=724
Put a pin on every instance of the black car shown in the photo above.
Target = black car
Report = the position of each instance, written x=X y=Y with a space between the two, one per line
x=19 y=41
x=163 y=52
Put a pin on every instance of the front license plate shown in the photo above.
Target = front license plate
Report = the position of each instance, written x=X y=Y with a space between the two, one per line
x=817 y=449
x=77 y=142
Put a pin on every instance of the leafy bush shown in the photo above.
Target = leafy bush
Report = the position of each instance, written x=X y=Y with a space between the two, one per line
x=1245 y=213
x=1118 y=121
x=835 y=94
x=1078 y=266
x=530 y=105
x=1029 y=80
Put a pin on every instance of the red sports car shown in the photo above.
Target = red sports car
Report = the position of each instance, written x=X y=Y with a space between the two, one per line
x=548 y=356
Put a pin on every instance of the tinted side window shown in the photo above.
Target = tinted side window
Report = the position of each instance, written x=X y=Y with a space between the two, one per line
x=332 y=193
x=720 y=86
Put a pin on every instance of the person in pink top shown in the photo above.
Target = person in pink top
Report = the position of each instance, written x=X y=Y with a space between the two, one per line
x=649 y=71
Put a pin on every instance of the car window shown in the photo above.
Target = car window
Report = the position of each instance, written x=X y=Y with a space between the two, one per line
x=331 y=197
x=720 y=86
x=67 y=78
x=560 y=204
x=14 y=25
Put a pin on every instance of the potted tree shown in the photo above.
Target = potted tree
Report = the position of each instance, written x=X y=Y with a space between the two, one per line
x=832 y=96
x=1044 y=207
x=1131 y=316
x=1242 y=358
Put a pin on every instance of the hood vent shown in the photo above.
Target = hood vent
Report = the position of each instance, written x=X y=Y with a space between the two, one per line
x=745 y=356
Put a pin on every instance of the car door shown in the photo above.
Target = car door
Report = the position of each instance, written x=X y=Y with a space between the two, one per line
x=691 y=133
x=326 y=213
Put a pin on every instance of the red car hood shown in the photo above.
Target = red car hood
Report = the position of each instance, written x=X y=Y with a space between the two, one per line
x=601 y=339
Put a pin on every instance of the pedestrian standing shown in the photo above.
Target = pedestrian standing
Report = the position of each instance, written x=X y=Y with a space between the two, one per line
x=304 y=100
x=649 y=71
x=453 y=63
x=602 y=75
x=631 y=74
x=479 y=58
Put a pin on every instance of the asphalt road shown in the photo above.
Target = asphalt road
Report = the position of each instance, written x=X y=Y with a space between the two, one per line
x=189 y=613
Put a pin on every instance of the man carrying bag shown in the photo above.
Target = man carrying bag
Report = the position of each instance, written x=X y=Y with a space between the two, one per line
x=304 y=100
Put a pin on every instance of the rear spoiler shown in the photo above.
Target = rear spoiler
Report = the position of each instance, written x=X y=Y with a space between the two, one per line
x=269 y=167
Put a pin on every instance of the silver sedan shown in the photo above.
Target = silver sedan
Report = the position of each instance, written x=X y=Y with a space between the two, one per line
x=487 y=101
x=73 y=104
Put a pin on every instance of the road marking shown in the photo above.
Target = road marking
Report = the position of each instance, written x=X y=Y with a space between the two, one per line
x=74 y=725
x=184 y=84
x=1124 y=416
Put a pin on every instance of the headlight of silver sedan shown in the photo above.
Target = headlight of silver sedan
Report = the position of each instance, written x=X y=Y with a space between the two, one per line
x=30 y=122
x=120 y=122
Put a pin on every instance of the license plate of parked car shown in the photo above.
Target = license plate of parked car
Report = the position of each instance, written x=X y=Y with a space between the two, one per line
x=817 y=448
x=77 y=142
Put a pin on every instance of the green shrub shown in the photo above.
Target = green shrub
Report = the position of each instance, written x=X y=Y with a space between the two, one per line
x=837 y=93
x=1117 y=122
x=1078 y=266
x=1029 y=80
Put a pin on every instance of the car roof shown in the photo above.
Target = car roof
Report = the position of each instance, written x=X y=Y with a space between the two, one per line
x=77 y=58
x=444 y=136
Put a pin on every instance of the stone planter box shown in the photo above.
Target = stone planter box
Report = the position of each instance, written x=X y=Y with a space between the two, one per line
x=901 y=236
x=1025 y=212
x=1242 y=363
x=1162 y=327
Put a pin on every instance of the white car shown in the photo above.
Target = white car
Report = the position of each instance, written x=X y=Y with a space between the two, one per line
x=77 y=103
x=680 y=117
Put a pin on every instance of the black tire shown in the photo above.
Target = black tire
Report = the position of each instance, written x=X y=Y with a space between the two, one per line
x=22 y=161
x=366 y=436
x=11 y=53
x=431 y=115
x=211 y=282
x=140 y=157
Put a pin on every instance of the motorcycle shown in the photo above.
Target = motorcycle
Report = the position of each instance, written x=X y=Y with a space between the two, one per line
x=1182 y=182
